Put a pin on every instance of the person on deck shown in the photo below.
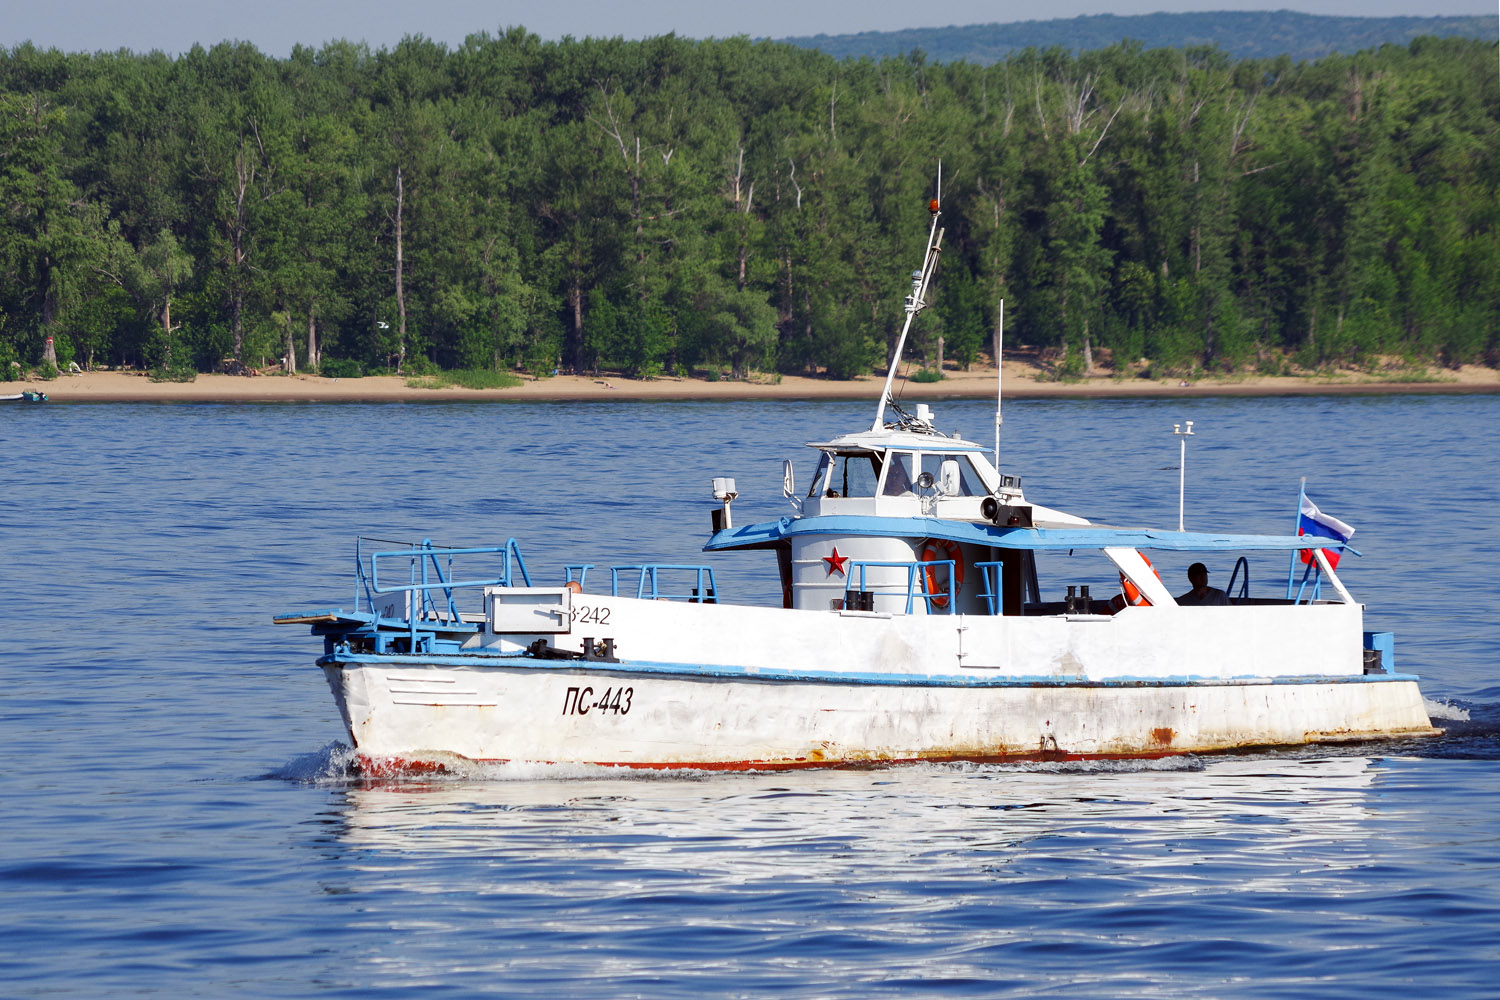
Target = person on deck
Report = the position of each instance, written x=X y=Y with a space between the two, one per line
x=1202 y=595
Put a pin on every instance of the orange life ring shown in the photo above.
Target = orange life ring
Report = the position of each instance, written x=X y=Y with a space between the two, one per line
x=935 y=549
x=1133 y=595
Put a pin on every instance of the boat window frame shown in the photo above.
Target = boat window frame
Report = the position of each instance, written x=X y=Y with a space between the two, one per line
x=819 y=485
x=974 y=480
x=844 y=455
x=893 y=458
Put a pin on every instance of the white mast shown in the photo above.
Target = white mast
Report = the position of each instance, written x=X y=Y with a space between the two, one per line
x=915 y=302
x=999 y=380
x=1182 y=436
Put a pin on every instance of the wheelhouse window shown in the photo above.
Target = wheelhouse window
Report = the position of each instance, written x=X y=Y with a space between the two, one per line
x=855 y=474
x=900 y=474
x=954 y=475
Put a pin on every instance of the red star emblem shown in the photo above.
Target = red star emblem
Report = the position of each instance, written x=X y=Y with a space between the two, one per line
x=836 y=562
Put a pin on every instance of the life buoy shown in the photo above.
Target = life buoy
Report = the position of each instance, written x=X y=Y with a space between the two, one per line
x=1133 y=595
x=935 y=549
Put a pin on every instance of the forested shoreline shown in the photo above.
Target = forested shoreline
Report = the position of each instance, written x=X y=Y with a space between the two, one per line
x=730 y=206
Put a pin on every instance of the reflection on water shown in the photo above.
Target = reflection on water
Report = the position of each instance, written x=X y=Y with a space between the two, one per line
x=893 y=814
x=945 y=875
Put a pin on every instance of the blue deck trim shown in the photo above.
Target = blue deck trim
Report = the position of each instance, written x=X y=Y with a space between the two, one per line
x=1083 y=537
x=321 y=612
x=523 y=661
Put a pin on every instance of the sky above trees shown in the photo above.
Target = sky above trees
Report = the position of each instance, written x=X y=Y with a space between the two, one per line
x=275 y=26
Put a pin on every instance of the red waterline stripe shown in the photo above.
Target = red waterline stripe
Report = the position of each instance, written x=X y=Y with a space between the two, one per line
x=384 y=767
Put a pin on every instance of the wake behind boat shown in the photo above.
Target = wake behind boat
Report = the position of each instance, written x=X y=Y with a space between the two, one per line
x=912 y=626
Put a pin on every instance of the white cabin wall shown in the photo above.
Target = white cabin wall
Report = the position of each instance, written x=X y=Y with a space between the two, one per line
x=1150 y=642
x=815 y=587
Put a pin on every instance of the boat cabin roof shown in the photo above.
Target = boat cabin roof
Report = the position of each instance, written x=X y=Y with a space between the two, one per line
x=897 y=440
x=767 y=534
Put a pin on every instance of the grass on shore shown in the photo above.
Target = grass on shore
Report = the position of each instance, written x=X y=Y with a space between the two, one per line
x=466 y=378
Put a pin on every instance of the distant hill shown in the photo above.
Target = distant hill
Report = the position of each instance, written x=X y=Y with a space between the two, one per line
x=1243 y=34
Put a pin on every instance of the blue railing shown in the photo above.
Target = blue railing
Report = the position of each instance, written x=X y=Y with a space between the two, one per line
x=649 y=583
x=1314 y=572
x=430 y=586
x=917 y=582
x=430 y=572
x=992 y=590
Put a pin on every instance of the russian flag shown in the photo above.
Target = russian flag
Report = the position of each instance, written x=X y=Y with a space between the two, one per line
x=1312 y=521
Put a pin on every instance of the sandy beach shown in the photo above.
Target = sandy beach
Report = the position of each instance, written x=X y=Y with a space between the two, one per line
x=1022 y=381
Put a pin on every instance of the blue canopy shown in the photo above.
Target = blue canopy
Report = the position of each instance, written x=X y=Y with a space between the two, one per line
x=1085 y=536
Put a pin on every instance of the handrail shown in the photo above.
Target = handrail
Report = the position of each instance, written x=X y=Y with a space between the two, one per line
x=424 y=562
x=1244 y=587
x=701 y=594
x=1317 y=582
x=428 y=552
x=993 y=586
x=361 y=582
x=913 y=574
x=513 y=551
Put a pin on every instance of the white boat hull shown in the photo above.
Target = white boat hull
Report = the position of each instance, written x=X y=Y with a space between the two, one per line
x=641 y=720
x=874 y=688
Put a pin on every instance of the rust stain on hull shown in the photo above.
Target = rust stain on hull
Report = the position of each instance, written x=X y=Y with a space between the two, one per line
x=418 y=763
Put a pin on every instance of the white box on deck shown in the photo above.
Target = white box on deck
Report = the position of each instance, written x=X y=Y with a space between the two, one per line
x=530 y=609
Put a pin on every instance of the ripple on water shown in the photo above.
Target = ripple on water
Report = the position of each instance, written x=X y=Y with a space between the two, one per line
x=155 y=846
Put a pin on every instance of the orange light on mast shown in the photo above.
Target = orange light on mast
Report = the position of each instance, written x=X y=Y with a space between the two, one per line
x=932 y=206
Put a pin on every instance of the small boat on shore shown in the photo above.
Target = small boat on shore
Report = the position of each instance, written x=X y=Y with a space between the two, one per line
x=29 y=396
x=911 y=625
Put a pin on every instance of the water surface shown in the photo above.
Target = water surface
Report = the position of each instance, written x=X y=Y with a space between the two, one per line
x=177 y=820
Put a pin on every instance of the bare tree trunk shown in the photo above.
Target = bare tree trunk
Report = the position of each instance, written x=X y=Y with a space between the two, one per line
x=313 y=357
x=575 y=304
x=742 y=200
x=940 y=354
x=833 y=129
x=49 y=296
x=1064 y=312
x=635 y=202
x=807 y=332
x=166 y=325
x=289 y=364
x=1088 y=350
x=400 y=283
x=236 y=308
x=790 y=297
x=236 y=234
x=244 y=173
